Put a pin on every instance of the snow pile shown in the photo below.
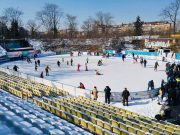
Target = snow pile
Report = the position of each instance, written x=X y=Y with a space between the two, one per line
x=38 y=45
x=129 y=46
x=2 y=52
x=146 y=107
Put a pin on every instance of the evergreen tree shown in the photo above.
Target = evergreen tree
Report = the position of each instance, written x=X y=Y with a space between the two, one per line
x=138 y=27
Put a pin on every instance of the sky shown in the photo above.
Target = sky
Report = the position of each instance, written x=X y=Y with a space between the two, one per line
x=123 y=11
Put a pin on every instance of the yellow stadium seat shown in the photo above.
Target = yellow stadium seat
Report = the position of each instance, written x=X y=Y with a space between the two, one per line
x=91 y=127
x=99 y=130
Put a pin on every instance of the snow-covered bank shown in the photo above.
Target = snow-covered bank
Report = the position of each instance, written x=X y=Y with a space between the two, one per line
x=2 y=52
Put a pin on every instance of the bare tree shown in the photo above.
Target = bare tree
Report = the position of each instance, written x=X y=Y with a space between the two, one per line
x=50 y=17
x=171 y=13
x=104 y=21
x=87 y=26
x=33 y=27
x=71 y=22
x=13 y=14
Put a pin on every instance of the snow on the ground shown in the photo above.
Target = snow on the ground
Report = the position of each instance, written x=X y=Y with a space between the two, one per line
x=38 y=45
x=146 y=107
x=2 y=52
x=116 y=73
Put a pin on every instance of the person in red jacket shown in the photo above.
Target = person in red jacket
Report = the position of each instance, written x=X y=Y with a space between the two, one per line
x=78 y=67
x=81 y=85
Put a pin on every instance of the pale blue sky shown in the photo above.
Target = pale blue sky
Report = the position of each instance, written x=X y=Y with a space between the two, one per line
x=122 y=10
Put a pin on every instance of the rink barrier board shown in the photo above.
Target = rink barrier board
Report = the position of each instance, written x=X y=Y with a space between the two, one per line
x=74 y=91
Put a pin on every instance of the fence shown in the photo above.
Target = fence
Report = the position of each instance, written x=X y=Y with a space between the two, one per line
x=74 y=91
x=141 y=53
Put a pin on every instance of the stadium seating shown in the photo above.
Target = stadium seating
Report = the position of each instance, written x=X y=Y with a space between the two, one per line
x=25 y=88
x=59 y=113
x=18 y=116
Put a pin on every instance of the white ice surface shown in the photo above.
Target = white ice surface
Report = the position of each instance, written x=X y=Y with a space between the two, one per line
x=116 y=73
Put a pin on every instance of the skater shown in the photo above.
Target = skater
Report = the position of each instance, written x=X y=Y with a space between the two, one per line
x=67 y=63
x=58 y=63
x=38 y=61
x=151 y=85
x=156 y=65
x=15 y=68
x=71 y=62
x=107 y=91
x=36 y=67
x=123 y=57
x=141 y=61
x=41 y=75
x=125 y=95
x=133 y=55
x=71 y=54
x=35 y=56
x=35 y=63
x=81 y=85
x=145 y=63
x=100 y=63
x=87 y=60
x=86 y=67
x=78 y=67
x=94 y=93
x=97 y=72
x=47 y=70
x=163 y=59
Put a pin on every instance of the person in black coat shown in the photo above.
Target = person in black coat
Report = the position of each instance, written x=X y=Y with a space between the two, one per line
x=125 y=95
x=15 y=68
x=107 y=91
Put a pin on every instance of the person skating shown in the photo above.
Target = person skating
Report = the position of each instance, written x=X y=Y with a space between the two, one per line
x=15 y=68
x=133 y=55
x=125 y=96
x=145 y=63
x=151 y=85
x=58 y=63
x=94 y=93
x=38 y=61
x=87 y=60
x=71 y=62
x=47 y=70
x=156 y=65
x=97 y=72
x=67 y=63
x=81 y=85
x=100 y=63
x=107 y=91
x=86 y=68
x=36 y=67
x=78 y=67
x=141 y=61
x=123 y=57
x=41 y=75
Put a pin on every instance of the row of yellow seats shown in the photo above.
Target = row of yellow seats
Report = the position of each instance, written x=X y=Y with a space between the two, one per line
x=95 y=119
x=78 y=118
x=121 y=123
x=146 y=119
x=34 y=88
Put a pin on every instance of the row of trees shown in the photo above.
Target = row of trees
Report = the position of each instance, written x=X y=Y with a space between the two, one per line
x=50 y=17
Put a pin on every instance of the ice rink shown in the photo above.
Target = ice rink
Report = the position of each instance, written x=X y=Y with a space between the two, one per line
x=116 y=73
